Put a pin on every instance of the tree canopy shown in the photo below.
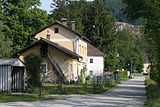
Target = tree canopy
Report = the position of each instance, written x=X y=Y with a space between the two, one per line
x=149 y=11
x=93 y=20
x=22 y=18
x=5 y=43
x=131 y=50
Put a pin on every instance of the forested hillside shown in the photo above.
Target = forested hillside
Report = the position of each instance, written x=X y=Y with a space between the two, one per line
x=116 y=7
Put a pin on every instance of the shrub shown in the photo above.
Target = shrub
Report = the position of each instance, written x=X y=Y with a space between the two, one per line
x=33 y=63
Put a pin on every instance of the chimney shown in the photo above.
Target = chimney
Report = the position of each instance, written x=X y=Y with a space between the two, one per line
x=64 y=21
x=73 y=25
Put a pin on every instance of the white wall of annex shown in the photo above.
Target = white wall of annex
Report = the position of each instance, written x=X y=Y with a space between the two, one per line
x=97 y=66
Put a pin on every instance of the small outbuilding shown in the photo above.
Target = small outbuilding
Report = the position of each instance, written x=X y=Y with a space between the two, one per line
x=11 y=75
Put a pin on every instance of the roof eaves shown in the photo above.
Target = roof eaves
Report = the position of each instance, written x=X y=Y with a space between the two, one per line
x=57 y=22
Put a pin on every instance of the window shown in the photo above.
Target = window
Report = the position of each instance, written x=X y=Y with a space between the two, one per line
x=91 y=73
x=71 y=76
x=91 y=60
x=82 y=49
x=44 y=68
x=56 y=30
x=79 y=48
x=48 y=36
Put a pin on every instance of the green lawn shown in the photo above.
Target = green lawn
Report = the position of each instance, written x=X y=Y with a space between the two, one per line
x=18 y=98
x=49 y=88
x=153 y=93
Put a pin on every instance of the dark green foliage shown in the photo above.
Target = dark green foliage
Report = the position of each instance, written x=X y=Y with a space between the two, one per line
x=148 y=10
x=22 y=18
x=5 y=43
x=116 y=7
x=94 y=21
x=153 y=93
x=33 y=63
x=130 y=48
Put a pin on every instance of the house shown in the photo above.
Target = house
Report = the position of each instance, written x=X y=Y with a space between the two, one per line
x=95 y=63
x=59 y=60
x=146 y=68
x=11 y=75
x=67 y=48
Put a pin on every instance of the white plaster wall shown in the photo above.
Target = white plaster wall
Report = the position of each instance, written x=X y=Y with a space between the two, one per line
x=97 y=66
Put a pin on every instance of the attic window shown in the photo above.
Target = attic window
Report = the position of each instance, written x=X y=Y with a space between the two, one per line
x=56 y=30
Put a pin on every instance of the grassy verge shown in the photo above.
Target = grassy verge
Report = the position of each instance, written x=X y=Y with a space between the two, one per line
x=18 y=98
x=124 y=79
x=153 y=93
x=49 y=88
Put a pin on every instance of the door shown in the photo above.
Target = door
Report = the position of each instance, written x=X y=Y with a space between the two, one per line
x=17 y=83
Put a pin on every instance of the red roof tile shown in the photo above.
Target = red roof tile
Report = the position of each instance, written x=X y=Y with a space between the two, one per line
x=93 y=51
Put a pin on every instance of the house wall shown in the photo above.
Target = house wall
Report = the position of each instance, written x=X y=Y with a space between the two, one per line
x=83 y=50
x=97 y=66
x=69 y=40
x=63 y=60
x=65 y=37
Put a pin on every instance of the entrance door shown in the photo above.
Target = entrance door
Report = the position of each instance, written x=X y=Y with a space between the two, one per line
x=17 y=83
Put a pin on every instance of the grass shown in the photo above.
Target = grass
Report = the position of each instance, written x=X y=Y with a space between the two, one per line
x=124 y=79
x=18 y=98
x=153 y=93
x=49 y=88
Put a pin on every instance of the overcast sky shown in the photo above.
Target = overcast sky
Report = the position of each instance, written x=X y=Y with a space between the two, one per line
x=46 y=5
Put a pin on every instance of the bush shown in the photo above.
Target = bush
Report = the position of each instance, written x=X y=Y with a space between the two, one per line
x=88 y=78
x=33 y=63
x=123 y=74
x=153 y=93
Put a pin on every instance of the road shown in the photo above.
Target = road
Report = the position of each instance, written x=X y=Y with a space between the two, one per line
x=129 y=93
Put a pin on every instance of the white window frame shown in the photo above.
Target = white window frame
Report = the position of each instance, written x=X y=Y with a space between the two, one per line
x=46 y=68
x=90 y=60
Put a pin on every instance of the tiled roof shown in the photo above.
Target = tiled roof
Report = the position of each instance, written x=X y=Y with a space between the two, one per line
x=59 y=47
x=93 y=51
x=57 y=22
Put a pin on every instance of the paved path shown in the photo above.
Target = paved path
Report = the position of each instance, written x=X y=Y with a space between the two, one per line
x=128 y=94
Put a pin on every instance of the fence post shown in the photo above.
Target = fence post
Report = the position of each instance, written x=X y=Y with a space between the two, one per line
x=55 y=86
x=78 y=84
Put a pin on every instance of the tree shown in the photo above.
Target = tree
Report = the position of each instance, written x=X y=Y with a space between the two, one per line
x=94 y=21
x=149 y=11
x=130 y=48
x=33 y=63
x=5 y=44
x=116 y=7
x=22 y=18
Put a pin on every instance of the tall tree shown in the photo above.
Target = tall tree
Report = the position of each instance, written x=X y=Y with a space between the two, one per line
x=130 y=48
x=5 y=44
x=148 y=10
x=22 y=18
x=99 y=28
x=94 y=21
x=116 y=7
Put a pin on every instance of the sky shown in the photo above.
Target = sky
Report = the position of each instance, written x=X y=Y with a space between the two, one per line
x=45 y=5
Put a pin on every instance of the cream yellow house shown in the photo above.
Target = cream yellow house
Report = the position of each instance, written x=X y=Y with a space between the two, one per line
x=58 y=33
x=58 y=63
